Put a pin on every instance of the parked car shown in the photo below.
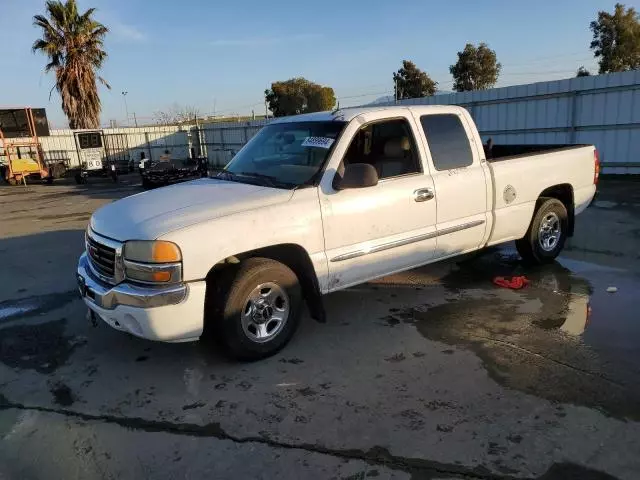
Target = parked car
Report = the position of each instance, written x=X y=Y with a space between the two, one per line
x=168 y=171
x=317 y=203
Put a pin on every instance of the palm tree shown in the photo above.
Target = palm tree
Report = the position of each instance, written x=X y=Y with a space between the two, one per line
x=74 y=45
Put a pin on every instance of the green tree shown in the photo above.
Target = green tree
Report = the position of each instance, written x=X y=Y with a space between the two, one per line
x=477 y=68
x=74 y=44
x=411 y=82
x=298 y=95
x=583 y=72
x=616 y=39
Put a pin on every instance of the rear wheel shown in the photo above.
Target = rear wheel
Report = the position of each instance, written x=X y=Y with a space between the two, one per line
x=547 y=233
x=255 y=309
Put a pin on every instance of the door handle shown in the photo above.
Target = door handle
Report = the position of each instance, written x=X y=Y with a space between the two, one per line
x=423 y=194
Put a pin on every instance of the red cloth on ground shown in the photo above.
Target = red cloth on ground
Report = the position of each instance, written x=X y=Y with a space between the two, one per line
x=515 y=283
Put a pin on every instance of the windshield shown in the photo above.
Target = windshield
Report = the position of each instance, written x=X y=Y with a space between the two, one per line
x=285 y=155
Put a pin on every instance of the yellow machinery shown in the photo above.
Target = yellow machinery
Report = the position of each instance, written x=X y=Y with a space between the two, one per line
x=23 y=155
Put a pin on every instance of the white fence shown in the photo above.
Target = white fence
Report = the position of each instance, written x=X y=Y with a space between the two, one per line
x=603 y=110
x=221 y=141
x=123 y=144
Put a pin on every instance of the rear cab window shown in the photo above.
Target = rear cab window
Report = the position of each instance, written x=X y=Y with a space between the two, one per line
x=447 y=140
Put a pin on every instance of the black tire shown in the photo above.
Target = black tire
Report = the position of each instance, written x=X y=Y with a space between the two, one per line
x=229 y=300
x=530 y=247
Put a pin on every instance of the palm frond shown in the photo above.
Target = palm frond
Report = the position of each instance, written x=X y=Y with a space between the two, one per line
x=73 y=42
x=104 y=82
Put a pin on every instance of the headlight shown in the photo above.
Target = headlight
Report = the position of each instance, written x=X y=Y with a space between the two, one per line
x=152 y=261
x=152 y=252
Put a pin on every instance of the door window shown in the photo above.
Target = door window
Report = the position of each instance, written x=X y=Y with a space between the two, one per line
x=388 y=145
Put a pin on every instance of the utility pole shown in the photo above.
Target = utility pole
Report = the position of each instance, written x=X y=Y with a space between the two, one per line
x=266 y=110
x=126 y=108
x=135 y=120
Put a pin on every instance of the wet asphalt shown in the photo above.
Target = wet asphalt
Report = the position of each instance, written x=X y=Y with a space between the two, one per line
x=434 y=373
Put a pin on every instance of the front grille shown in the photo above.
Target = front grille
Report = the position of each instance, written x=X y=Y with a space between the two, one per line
x=102 y=257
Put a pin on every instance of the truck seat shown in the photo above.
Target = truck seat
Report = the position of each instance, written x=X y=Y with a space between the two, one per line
x=396 y=159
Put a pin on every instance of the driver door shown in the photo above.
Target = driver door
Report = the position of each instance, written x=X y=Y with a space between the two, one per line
x=389 y=227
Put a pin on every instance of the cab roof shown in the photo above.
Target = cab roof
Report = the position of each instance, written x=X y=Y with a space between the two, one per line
x=348 y=114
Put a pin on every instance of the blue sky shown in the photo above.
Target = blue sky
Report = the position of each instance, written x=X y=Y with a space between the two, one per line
x=222 y=54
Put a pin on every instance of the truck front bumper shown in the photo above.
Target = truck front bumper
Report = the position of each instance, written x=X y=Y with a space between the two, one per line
x=169 y=314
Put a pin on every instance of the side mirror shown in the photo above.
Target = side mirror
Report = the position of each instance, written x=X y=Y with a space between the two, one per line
x=357 y=175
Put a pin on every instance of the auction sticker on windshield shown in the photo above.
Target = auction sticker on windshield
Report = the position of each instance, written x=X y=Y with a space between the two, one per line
x=320 y=142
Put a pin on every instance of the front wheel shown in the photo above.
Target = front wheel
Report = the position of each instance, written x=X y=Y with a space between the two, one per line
x=547 y=233
x=255 y=310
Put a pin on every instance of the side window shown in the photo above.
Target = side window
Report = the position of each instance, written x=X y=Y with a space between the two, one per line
x=448 y=141
x=388 y=145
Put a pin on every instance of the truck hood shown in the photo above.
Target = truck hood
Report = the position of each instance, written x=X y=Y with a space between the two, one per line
x=151 y=214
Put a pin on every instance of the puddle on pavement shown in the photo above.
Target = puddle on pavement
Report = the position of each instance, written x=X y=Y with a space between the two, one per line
x=14 y=311
x=563 y=338
x=42 y=348
x=34 y=305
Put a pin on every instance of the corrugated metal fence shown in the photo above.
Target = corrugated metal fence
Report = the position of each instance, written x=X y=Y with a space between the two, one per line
x=603 y=110
x=221 y=141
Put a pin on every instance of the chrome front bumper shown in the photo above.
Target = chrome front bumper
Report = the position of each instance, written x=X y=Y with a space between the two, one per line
x=110 y=296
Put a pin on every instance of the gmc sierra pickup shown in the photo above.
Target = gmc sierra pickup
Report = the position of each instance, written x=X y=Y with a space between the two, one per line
x=316 y=203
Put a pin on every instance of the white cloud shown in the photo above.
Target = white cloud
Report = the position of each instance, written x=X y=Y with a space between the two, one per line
x=122 y=31
x=261 y=41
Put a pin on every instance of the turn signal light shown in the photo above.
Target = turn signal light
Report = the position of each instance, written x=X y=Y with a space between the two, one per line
x=161 y=276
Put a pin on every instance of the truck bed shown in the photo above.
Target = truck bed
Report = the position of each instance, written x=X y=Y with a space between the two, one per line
x=500 y=153
x=520 y=182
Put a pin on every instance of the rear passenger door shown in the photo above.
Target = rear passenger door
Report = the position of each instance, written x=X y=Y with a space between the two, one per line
x=459 y=182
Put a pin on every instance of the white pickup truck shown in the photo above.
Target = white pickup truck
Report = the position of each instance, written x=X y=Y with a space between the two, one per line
x=316 y=203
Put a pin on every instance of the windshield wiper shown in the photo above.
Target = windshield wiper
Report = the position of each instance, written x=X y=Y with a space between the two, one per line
x=223 y=174
x=270 y=179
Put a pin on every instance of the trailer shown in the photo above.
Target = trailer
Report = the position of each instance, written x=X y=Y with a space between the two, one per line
x=21 y=152
x=100 y=155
